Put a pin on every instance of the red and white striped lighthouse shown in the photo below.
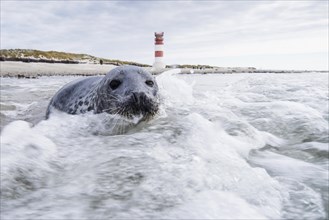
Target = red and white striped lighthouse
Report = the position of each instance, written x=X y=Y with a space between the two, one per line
x=158 y=64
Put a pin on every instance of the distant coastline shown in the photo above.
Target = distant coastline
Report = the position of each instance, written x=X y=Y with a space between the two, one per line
x=35 y=70
x=34 y=63
x=39 y=56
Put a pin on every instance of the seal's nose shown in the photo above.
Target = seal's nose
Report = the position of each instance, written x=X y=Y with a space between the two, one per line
x=138 y=97
x=135 y=97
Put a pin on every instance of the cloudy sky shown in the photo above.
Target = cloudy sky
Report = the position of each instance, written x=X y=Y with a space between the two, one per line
x=262 y=34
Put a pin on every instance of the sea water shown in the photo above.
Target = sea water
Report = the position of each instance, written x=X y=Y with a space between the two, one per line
x=251 y=146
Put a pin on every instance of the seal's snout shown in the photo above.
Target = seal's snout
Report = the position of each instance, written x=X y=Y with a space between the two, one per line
x=139 y=103
x=138 y=97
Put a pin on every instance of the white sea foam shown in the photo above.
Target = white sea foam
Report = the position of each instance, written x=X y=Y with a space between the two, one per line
x=227 y=146
x=25 y=159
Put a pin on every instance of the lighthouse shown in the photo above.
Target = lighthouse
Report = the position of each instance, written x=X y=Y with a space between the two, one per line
x=158 y=64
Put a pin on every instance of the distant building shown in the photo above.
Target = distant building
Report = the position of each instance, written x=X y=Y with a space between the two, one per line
x=158 y=64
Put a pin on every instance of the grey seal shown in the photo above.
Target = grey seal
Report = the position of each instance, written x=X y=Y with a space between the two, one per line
x=126 y=90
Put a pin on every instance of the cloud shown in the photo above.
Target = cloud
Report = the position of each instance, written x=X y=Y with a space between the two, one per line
x=195 y=32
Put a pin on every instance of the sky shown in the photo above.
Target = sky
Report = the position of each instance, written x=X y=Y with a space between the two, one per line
x=252 y=33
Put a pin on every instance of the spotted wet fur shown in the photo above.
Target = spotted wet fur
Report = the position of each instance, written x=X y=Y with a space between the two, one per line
x=128 y=91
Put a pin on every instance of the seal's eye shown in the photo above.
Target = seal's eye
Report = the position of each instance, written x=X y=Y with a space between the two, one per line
x=149 y=83
x=114 y=84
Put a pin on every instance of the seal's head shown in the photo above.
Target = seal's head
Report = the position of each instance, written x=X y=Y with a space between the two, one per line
x=128 y=91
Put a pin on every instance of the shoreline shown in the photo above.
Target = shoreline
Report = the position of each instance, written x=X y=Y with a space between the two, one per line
x=34 y=70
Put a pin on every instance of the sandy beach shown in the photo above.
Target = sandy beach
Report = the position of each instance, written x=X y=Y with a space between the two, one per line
x=20 y=69
x=33 y=70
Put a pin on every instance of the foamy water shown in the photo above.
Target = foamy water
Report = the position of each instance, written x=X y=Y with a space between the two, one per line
x=250 y=146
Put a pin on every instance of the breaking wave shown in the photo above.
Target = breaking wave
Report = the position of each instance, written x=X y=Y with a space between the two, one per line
x=222 y=147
